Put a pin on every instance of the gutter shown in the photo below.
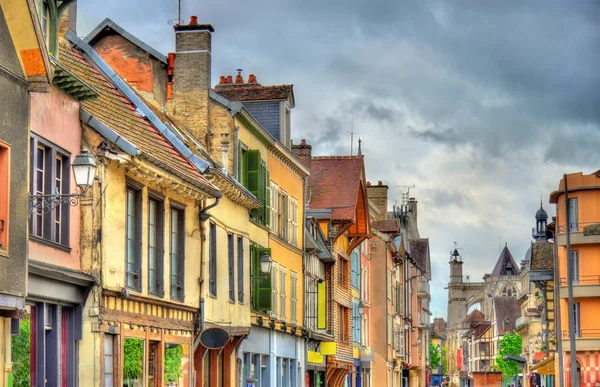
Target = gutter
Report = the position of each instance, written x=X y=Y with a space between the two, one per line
x=141 y=107
x=203 y=215
x=108 y=133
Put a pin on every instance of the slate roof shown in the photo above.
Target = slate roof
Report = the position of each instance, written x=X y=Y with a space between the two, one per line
x=506 y=307
x=476 y=316
x=335 y=184
x=542 y=256
x=114 y=110
x=254 y=92
x=387 y=225
x=419 y=250
x=504 y=263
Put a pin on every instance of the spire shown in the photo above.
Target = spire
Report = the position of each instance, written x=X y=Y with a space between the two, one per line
x=541 y=218
x=359 y=150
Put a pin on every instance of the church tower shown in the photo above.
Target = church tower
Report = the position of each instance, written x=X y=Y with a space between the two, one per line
x=456 y=273
x=541 y=217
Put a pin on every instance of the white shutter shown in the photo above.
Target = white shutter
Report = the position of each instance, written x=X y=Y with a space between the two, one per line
x=274 y=290
x=282 y=273
x=274 y=206
x=293 y=296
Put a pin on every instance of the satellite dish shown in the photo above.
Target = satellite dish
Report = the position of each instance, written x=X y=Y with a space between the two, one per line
x=214 y=338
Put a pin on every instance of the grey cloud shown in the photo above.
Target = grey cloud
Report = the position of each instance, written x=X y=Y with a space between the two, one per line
x=446 y=136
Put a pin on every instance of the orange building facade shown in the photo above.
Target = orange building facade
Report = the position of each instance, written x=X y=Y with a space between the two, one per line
x=583 y=225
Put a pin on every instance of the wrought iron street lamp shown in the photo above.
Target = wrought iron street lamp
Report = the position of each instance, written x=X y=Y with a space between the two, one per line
x=265 y=263
x=361 y=308
x=84 y=172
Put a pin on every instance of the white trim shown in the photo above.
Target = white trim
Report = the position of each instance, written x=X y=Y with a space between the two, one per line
x=192 y=52
x=198 y=30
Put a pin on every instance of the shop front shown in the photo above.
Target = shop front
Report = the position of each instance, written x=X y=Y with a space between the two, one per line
x=271 y=358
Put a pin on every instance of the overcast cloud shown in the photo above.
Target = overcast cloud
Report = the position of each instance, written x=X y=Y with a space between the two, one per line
x=483 y=105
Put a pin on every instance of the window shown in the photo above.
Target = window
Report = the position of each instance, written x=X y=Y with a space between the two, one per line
x=256 y=178
x=294 y=297
x=355 y=322
x=240 y=268
x=342 y=264
x=509 y=291
x=155 y=246
x=231 y=266
x=212 y=260
x=283 y=215
x=43 y=10
x=293 y=222
x=50 y=175
x=574 y=263
x=110 y=360
x=133 y=238
x=274 y=206
x=177 y=246
x=344 y=324
x=261 y=283
x=283 y=291
x=398 y=298
x=484 y=349
x=4 y=195
x=354 y=268
x=390 y=330
x=573 y=215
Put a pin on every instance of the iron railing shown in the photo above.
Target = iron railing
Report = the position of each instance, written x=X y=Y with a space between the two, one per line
x=582 y=280
x=521 y=321
x=591 y=333
x=575 y=226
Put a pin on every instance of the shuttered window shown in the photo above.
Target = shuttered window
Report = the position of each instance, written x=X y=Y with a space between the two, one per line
x=240 y=268
x=274 y=194
x=283 y=215
x=258 y=182
x=293 y=297
x=133 y=238
x=212 y=260
x=274 y=290
x=177 y=252
x=231 y=266
x=155 y=246
x=293 y=221
x=262 y=283
x=355 y=268
x=283 y=291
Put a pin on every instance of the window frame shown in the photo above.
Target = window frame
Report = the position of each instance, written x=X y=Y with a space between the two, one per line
x=5 y=182
x=159 y=243
x=46 y=222
x=274 y=213
x=240 y=268
x=179 y=276
x=283 y=292
x=293 y=297
x=341 y=274
x=137 y=189
x=343 y=324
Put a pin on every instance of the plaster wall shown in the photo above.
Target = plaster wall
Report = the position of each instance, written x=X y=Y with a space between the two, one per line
x=55 y=117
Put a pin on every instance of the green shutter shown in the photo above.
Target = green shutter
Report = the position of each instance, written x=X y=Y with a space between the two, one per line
x=253 y=179
x=321 y=305
x=267 y=196
x=262 y=294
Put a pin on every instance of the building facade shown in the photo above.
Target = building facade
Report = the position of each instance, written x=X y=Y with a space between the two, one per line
x=581 y=223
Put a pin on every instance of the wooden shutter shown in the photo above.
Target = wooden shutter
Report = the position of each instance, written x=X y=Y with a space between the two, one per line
x=231 y=261
x=266 y=213
x=322 y=305
x=240 y=268
x=263 y=284
x=282 y=291
x=273 y=289
x=293 y=297
x=253 y=178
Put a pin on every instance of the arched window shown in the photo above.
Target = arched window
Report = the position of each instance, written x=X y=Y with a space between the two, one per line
x=509 y=291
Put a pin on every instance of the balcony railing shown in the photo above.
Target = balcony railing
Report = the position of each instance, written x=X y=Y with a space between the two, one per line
x=593 y=333
x=582 y=280
x=423 y=319
x=423 y=289
x=579 y=227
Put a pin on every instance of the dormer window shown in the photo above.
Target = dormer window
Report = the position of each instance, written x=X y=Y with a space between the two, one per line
x=507 y=324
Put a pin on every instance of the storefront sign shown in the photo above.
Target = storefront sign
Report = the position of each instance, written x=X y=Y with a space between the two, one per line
x=214 y=338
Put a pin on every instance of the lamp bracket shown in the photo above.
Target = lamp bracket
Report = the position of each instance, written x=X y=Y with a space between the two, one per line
x=43 y=204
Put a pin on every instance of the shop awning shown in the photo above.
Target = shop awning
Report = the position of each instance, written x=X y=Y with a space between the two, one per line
x=544 y=367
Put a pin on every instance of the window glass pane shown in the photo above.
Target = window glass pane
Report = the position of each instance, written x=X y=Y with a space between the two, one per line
x=22 y=353
x=108 y=361
x=133 y=362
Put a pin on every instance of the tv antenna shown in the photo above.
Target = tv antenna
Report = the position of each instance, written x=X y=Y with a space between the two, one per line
x=352 y=133
x=406 y=195
x=175 y=22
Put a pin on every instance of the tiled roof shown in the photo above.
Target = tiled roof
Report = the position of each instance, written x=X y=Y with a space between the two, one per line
x=117 y=112
x=419 y=250
x=480 y=329
x=506 y=307
x=335 y=184
x=387 y=225
x=505 y=263
x=476 y=316
x=542 y=256
x=254 y=92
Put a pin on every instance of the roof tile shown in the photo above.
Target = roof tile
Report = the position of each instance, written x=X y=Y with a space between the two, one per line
x=542 y=256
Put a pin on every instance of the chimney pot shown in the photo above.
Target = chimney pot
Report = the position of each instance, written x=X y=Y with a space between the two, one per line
x=221 y=79
x=238 y=78
x=252 y=78
x=303 y=142
x=368 y=183
x=379 y=182
x=193 y=20
x=229 y=79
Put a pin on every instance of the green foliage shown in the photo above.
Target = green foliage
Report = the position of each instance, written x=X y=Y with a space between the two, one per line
x=510 y=344
x=20 y=355
x=434 y=357
x=173 y=365
x=444 y=359
x=133 y=359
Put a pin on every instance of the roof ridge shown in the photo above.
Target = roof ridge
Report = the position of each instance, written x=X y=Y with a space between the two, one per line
x=347 y=157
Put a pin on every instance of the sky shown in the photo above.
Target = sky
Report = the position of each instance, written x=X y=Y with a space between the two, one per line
x=481 y=105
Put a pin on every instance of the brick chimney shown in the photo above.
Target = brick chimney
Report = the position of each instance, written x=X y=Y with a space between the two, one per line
x=67 y=21
x=191 y=80
x=304 y=152
x=378 y=195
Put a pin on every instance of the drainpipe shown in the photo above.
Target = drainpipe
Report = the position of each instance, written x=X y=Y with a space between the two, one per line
x=570 y=309
x=203 y=215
